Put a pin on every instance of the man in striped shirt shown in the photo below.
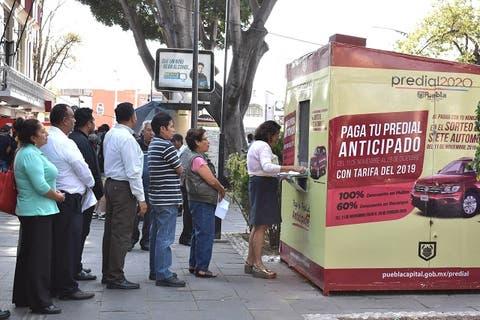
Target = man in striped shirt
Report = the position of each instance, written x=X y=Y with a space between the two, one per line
x=165 y=197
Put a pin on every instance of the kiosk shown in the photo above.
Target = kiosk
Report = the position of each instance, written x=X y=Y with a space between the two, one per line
x=391 y=199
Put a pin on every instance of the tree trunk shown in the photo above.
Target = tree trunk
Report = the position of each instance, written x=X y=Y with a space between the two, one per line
x=235 y=134
x=248 y=49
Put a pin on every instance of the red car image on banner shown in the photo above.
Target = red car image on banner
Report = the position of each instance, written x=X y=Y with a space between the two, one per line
x=369 y=152
x=453 y=190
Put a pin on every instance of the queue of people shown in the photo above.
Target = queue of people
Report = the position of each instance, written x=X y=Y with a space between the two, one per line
x=59 y=180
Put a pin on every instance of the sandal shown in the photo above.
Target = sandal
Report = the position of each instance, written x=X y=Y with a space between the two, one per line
x=248 y=268
x=191 y=270
x=205 y=274
x=262 y=272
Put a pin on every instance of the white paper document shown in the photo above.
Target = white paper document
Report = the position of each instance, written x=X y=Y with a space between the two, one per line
x=222 y=208
x=88 y=200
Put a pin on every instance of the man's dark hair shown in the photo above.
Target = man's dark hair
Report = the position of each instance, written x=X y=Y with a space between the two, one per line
x=178 y=137
x=58 y=113
x=161 y=119
x=194 y=135
x=124 y=112
x=26 y=129
x=82 y=117
x=249 y=137
x=201 y=64
x=267 y=130
x=5 y=128
x=104 y=128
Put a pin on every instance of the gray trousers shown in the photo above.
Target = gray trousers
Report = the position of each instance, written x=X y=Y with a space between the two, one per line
x=121 y=209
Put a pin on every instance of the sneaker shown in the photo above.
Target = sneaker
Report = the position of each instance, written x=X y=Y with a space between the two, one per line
x=101 y=216
x=170 y=282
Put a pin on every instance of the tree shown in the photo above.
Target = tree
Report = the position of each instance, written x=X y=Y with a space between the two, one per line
x=449 y=31
x=170 y=22
x=50 y=53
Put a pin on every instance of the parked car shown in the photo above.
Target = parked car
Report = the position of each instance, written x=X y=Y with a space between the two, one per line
x=318 y=163
x=453 y=188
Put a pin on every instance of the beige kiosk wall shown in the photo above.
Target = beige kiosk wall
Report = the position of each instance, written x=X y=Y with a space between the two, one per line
x=303 y=225
x=394 y=243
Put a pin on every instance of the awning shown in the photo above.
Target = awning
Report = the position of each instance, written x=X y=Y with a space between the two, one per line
x=16 y=90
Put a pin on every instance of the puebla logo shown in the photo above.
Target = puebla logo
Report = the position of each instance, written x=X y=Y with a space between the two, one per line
x=427 y=250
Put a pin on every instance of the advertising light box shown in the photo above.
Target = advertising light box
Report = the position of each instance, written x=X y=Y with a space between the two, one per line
x=392 y=200
x=174 y=70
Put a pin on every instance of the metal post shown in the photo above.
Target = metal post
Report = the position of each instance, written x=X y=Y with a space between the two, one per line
x=221 y=142
x=196 y=14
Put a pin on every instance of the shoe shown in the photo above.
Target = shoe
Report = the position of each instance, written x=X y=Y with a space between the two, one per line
x=124 y=285
x=185 y=242
x=4 y=314
x=86 y=270
x=170 y=282
x=205 y=274
x=145 y=248
x=191 y=270
x=78 y=295
x=248 y=268
x=51 y=309
x=152 y=276
x=101 y=216
x=83 y=276
x=262 y=272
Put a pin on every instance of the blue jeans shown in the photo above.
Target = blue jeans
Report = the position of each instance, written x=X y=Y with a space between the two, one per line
x=163 y=220
x=203 y=217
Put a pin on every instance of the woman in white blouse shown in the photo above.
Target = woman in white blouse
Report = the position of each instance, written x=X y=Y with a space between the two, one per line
x=263 y=191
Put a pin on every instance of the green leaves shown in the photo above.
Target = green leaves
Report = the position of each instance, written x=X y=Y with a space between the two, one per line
x=212 y=13
x=476 y=159
x=238 y=178
x=450 y=31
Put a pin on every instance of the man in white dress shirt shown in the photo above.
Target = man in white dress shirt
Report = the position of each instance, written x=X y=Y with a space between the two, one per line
x=123 y=190
x=74 y=179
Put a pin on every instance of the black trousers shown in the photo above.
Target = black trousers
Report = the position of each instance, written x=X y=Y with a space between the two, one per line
x=117 y=237
x=145 y=240
x=87 y=221
x=67 y=238
x=31 y=286
x=186 y=235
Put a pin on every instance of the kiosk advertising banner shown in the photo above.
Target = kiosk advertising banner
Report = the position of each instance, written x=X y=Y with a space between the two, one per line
x=392 y=199
x=289 y=139
x=366 y=151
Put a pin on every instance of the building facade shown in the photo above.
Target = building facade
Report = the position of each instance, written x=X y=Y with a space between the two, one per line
x=20 y=95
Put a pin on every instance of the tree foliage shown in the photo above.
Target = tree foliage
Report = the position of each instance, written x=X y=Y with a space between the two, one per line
x=450 y=31
x=171 y=21
x=212 y=27
x=52 y=53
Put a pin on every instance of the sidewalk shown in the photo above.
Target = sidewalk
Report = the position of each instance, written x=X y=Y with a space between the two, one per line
x=233 y=295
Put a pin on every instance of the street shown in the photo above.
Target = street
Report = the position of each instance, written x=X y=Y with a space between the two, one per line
x=232 y=295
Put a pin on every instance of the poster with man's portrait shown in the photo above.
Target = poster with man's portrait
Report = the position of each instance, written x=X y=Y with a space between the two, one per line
x=174 y=70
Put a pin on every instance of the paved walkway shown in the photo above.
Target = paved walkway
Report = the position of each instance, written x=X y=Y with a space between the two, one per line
x=233 y=295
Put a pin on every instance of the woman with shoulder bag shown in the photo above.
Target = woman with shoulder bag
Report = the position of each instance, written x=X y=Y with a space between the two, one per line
x=35 y=179
x=204 y=191
x=263 y=167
